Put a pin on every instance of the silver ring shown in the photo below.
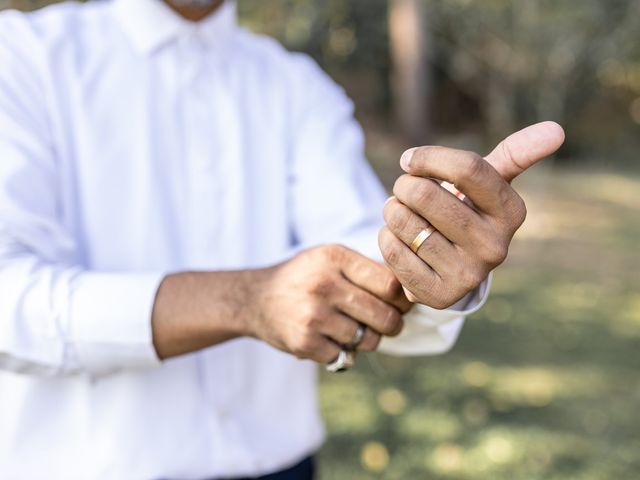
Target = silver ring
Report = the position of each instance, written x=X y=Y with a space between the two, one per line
x=344 y=361
x=357 y=337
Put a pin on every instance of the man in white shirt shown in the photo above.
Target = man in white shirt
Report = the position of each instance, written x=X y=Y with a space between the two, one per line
x=170 y=182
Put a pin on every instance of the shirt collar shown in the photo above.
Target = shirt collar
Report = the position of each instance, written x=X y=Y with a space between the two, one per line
x=151 y=24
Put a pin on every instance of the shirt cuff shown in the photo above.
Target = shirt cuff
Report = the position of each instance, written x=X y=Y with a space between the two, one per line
x=110 y=321
x=428 y=331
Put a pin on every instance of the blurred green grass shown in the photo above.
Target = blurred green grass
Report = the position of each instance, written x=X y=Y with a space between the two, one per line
x=544 y=381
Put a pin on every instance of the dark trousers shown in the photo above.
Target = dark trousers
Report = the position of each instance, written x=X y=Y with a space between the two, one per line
x=302 y=471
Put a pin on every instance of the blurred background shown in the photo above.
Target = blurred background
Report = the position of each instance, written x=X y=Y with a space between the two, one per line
x=544 y=382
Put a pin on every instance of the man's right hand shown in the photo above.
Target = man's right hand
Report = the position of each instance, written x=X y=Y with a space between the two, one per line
x=312 y=303
x=307 y=306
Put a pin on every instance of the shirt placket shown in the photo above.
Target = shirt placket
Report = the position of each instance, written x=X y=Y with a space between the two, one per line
x=206 y=151
x=201 y=148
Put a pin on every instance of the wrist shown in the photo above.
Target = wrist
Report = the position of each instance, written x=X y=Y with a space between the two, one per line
x=196 y=310
x=253 y=299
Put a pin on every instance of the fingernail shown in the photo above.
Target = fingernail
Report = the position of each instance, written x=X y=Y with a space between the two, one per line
x=388 y=200
x=405 y=159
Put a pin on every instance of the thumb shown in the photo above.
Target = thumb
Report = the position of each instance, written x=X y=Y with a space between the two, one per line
x=522 y=149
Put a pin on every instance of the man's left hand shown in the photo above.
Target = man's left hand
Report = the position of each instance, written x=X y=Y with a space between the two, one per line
x=470 y=237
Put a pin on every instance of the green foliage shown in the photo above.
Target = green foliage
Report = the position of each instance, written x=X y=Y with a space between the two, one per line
x=496 y=64
x=522 y=61
x=335 y=32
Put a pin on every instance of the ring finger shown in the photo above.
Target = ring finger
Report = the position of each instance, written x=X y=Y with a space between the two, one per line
x=342 y=329
x=457 y=221
x=438 y=252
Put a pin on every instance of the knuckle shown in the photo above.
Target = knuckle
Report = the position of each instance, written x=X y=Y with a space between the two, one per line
x=388 y=247
x=500 y=252
x=402 y=186
x=494 y=253
x=415 y=283
x=312 y=322
x=405 y=304
x=313 y=317
x=321 y=285
x=392 y=287
x=304 y=258
x=391 y=322
x=444 y=299
x=389 y=208
x=398 y=218
x=371 y=342
x=332 y=252
x=424 y=193
x=469 y=280
x=475 y=166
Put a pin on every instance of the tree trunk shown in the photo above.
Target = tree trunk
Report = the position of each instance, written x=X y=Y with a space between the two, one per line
x=409 y=79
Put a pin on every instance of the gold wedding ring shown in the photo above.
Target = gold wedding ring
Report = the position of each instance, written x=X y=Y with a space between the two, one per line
x=421 y=238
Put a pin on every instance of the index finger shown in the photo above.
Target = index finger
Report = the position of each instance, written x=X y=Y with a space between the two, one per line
x=376 y=279
x=467 y=171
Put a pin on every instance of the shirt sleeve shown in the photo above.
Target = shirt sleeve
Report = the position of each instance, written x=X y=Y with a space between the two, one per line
x=428 y=331
x=337 y=198
x=56 y=317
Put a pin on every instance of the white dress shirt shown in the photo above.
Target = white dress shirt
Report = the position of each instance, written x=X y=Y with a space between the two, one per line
x=134 y=144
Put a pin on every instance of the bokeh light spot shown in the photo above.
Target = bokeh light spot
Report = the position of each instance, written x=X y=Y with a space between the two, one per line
x=476 y=374
x=392 y=401
x=498 y=449
x=448 y=458
x=374 y=456
x=342 y=41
